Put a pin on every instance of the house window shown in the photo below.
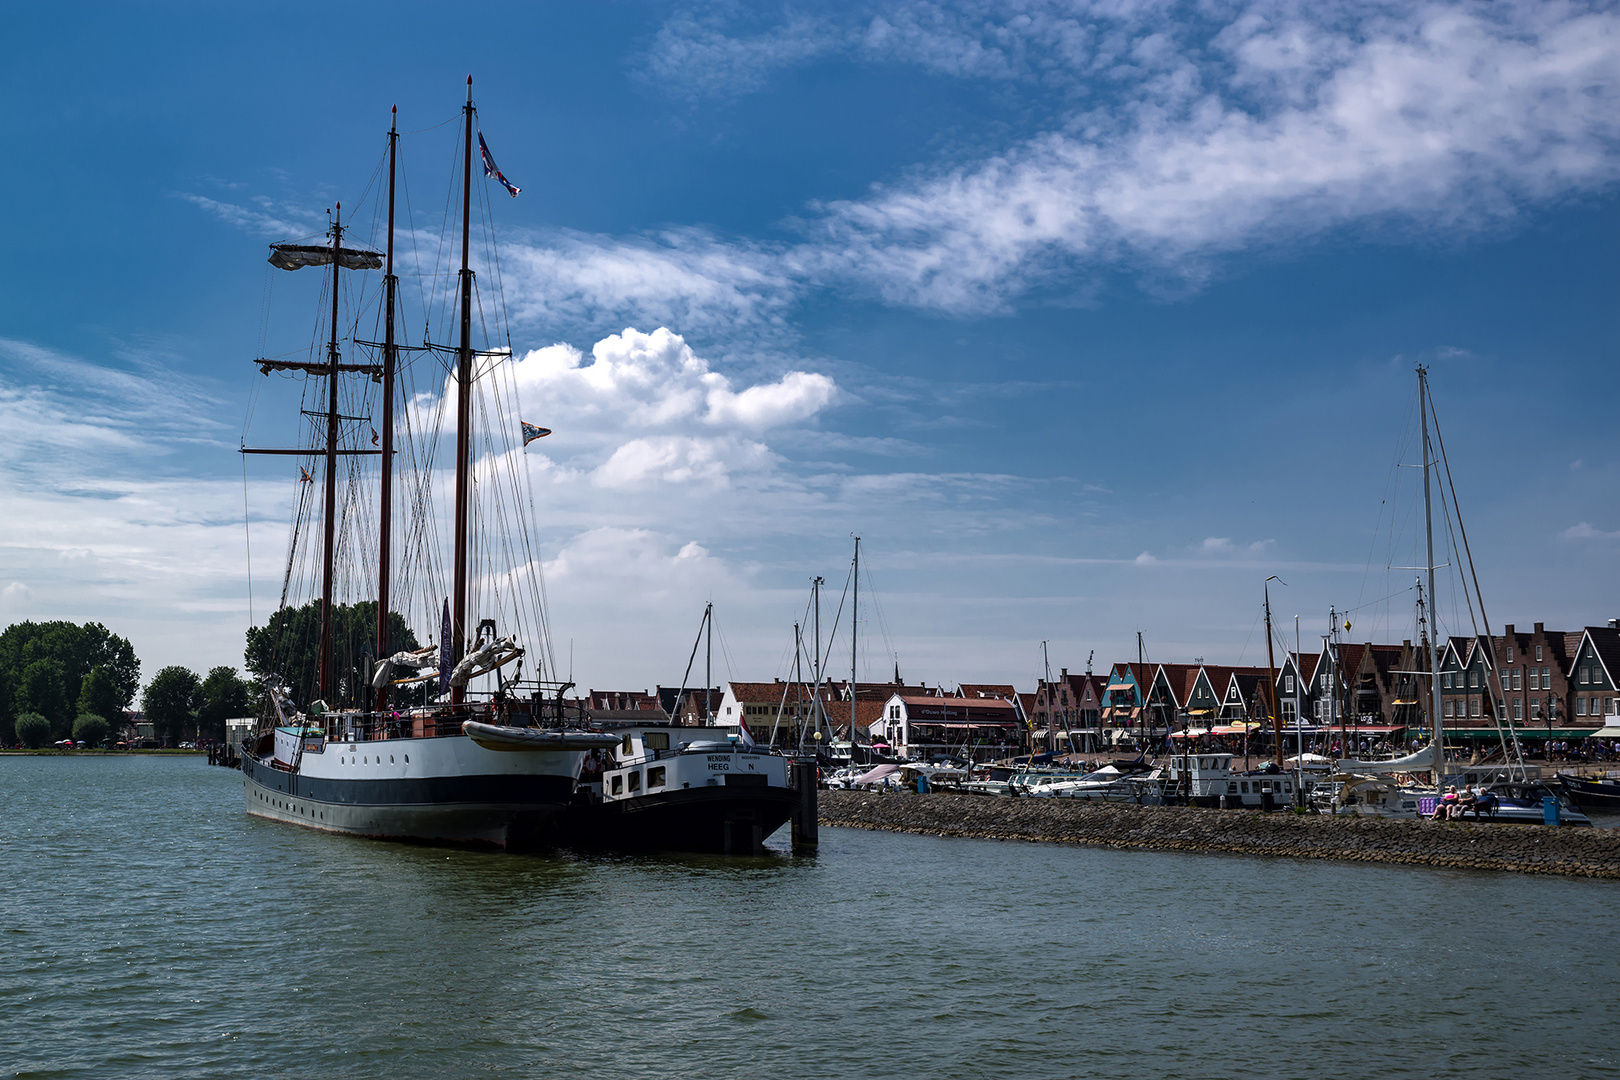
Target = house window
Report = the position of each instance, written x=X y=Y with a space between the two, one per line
x=1546 y=678
x=1518 y=708
x=1473 y=677
x=1445 y=710
x=1580 y=706
x=1288 y=684
x=1475 y=701
x=1538 y=654
x=1510 y=654
x=1518 y=681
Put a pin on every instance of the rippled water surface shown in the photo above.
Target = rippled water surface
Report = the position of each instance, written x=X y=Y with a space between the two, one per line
x=148 y=927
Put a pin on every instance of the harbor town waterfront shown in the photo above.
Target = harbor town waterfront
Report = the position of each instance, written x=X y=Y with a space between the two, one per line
x=153 y=930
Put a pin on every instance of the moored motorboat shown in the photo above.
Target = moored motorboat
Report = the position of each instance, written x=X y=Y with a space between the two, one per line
x=680 y=789
x=1596 y=793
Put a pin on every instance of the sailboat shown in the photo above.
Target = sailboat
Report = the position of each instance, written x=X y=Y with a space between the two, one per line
x=442 y=744
x=1365 y=787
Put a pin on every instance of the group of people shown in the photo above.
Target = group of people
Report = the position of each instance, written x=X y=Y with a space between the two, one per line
x=1454 y=804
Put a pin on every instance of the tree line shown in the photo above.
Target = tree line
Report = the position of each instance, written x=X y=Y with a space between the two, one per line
x=62 y=680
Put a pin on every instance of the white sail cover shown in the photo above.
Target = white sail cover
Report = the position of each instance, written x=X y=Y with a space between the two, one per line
x=297 y=256
x=1422 y=761
x=417 y=661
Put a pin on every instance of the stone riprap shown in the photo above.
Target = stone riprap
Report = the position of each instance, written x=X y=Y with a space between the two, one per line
x=1532 y=849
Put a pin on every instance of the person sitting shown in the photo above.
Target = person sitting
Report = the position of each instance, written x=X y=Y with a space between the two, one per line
x=1446 y=808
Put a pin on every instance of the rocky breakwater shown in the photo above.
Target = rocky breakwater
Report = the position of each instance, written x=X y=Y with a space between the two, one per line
x=1531 y=849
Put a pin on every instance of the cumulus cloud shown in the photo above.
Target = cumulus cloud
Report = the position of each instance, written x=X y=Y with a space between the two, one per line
x=653 y=398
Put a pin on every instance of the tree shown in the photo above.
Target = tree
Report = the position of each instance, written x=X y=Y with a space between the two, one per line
x=170 y=701
x=99 y=697
x=40 y=690
x=91 y=729
x=288 y=647
x=33 y=730
x=223 y=694
x=76 y=649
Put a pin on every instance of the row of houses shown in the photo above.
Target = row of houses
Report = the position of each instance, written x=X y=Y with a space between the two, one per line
x=1549 y=683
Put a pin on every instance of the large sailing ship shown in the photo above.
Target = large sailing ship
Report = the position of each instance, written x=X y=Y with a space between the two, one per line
x=447 y=743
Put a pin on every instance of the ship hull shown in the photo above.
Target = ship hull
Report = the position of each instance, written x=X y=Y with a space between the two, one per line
x=725 y=820
x=433 y=791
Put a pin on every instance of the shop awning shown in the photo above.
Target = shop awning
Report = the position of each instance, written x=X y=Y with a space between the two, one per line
x=1531 y=733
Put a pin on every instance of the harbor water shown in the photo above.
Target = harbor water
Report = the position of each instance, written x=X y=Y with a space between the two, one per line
x=149 y=928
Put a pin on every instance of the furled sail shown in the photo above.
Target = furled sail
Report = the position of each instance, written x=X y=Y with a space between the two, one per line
x=297 y=256
x=1422 y=761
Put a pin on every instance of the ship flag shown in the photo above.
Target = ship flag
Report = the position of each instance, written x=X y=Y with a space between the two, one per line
x=304 y=477
x=490 y=169
x=744 y=736
x=532 y=432
x=446 y=654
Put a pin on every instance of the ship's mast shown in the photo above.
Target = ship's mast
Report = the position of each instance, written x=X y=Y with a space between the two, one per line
x=386 y=495
x=324 y=680
x=854 y=626
x=464 y=373
x=1271 y=680
x=1428 y=535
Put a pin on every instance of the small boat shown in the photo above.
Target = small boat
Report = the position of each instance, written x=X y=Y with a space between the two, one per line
x=1600 y=793
x=702 y=795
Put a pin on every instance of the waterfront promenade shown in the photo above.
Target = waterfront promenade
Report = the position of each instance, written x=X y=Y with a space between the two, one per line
x=1530 y=849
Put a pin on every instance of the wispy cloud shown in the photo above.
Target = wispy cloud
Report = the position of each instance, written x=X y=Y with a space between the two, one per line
x=266 y=217
x=1190 y=134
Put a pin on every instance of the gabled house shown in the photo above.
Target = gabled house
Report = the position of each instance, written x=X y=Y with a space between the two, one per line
x=1595 y=672
x=923 y=727
x=1068 y=709
x=782 y=707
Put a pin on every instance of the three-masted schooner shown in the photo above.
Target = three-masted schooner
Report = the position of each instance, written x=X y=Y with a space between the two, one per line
x=496 y=767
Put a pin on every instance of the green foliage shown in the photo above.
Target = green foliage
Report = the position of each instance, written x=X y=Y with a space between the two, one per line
x=40 y=690
x=289 y=646
x=75 y=650
x=33 y=730
x=98 y=696
x=170 y=702
x=223 y=694
x=91 y=729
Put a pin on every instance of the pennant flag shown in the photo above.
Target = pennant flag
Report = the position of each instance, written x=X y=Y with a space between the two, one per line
x=304 y=477
x=531 y=432
x=374 y=437
x=490 y=169
x=447 y=656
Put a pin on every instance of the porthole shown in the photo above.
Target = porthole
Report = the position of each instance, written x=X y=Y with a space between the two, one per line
x=390 y=759
x=407 y=759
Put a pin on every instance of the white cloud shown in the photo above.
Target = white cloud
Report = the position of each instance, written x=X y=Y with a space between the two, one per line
x=685 y=278
x=1446 y=120
x=265 y=218
x=1586 y=531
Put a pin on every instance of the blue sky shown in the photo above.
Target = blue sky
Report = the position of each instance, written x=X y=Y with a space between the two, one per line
x=1087 y=316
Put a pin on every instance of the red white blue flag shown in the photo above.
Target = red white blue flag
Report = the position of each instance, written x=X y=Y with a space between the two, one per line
x=490 y=169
